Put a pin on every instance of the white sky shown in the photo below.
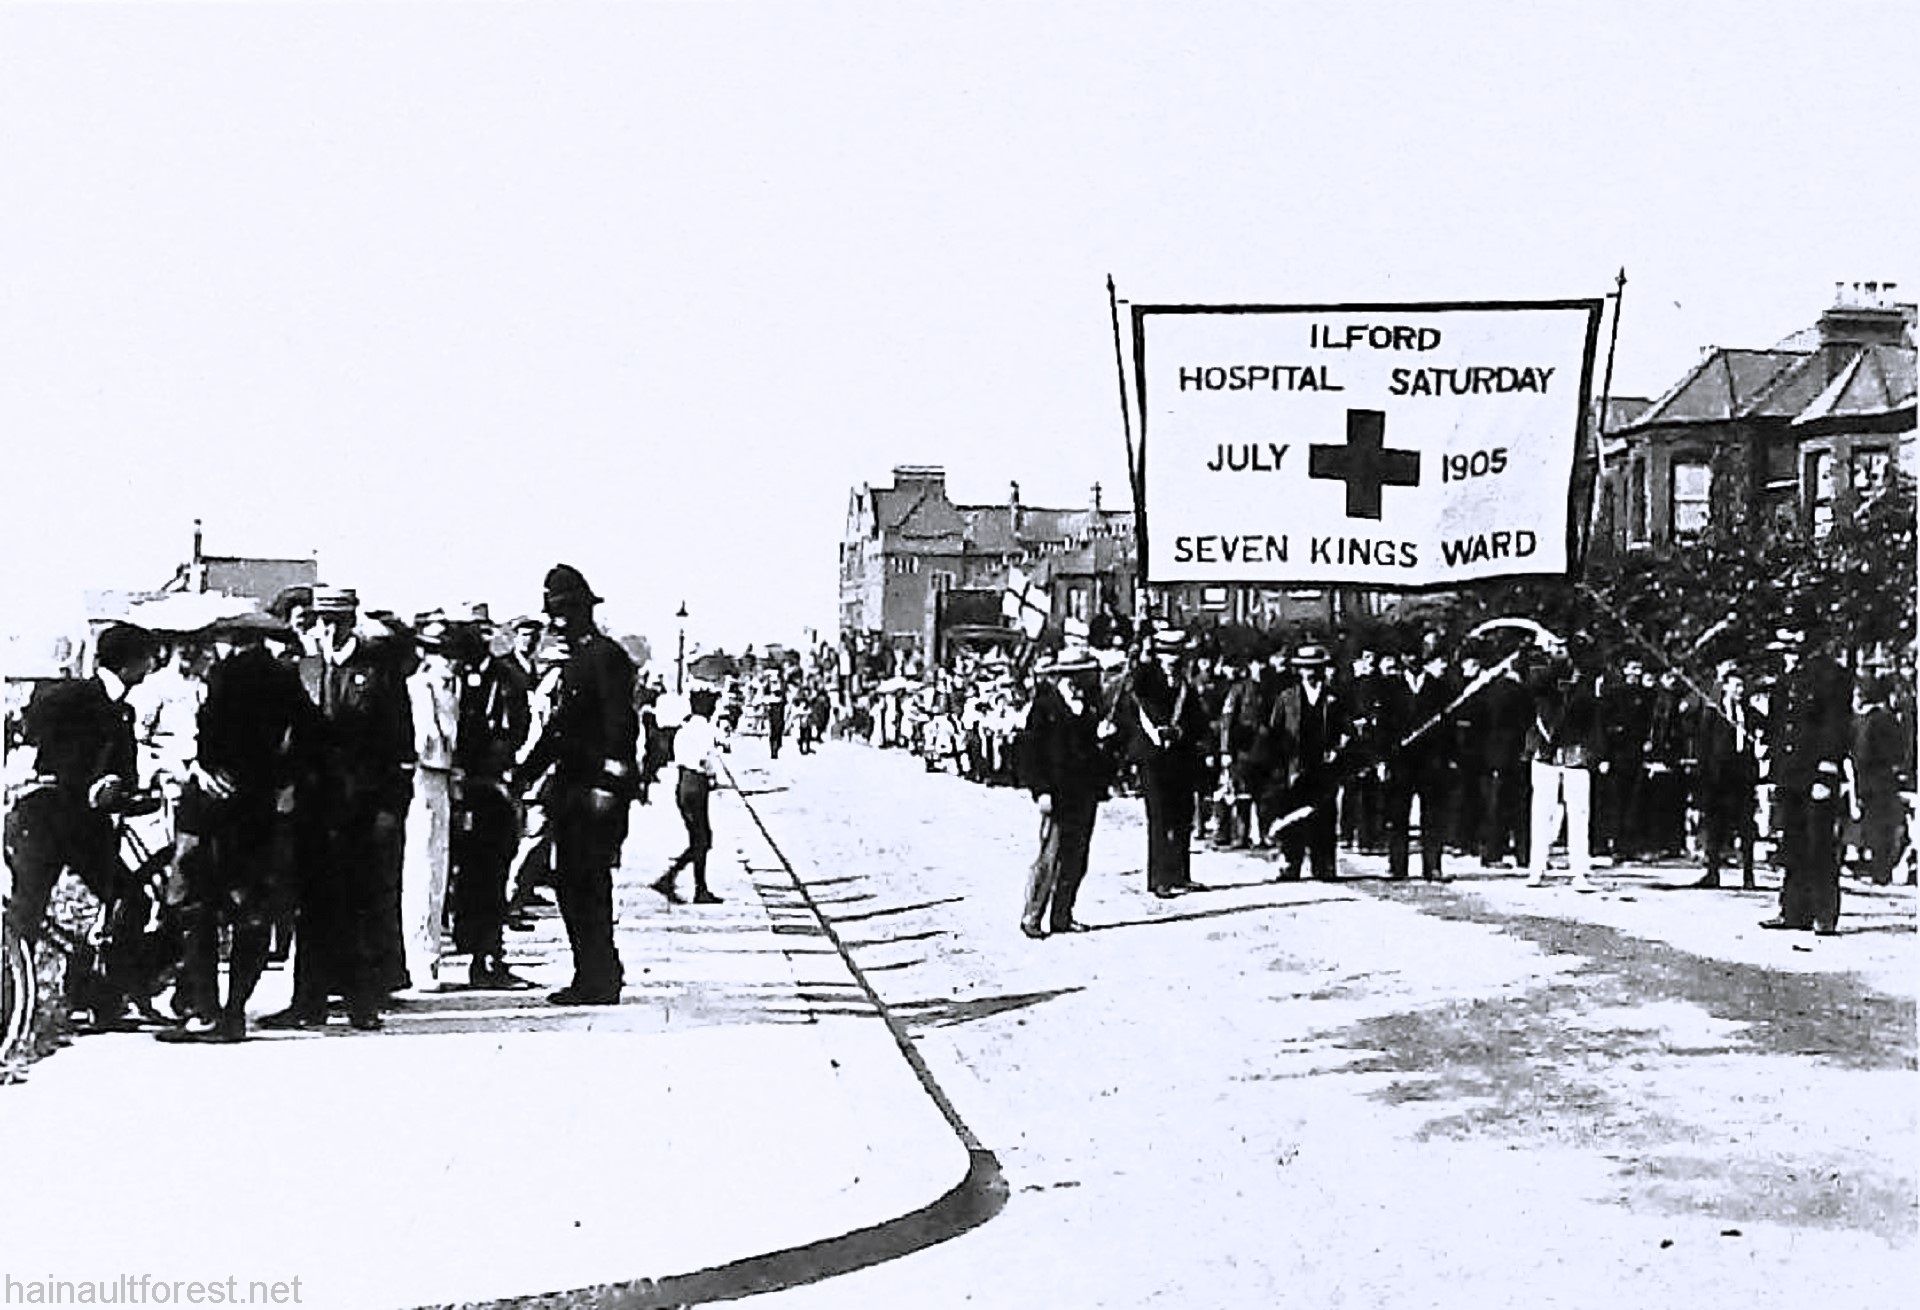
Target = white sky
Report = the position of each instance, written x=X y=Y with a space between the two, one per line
x=451 y=292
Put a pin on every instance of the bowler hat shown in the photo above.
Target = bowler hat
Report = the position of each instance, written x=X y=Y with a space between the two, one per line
x=567 y=585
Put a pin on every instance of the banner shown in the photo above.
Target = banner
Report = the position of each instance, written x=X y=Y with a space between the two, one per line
x=1398 y=446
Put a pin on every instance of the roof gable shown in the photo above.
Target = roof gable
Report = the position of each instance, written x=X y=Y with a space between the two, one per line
x=1878 y=381
x=1721 y=387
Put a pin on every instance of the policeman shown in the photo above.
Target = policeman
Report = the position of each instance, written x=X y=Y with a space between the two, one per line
x=1812 y=775
x=589 y=743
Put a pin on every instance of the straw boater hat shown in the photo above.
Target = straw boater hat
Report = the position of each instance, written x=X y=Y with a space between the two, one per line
x=1169 y=641
x=335 y=600
x=1071 y=660
x=1310 y=656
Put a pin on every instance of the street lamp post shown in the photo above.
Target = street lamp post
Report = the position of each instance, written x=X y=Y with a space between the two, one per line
x=680 y=659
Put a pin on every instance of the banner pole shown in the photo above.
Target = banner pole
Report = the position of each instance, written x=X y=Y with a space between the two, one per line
x=1600 y=423
x=1133 y=464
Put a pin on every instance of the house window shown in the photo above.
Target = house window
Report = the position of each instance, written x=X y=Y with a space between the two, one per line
x=1077 y=603
x=942 y=579
x=1871 y=471
x=1816 y=482
x=1692 y=487
x=1637 y=501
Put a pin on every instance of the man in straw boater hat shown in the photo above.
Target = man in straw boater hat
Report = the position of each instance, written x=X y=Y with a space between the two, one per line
x=1311 y=726
x=1066 y=765
x=590 y=743
x=350 y=817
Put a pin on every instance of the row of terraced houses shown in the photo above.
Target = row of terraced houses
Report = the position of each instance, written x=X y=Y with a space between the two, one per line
x=1785 y=439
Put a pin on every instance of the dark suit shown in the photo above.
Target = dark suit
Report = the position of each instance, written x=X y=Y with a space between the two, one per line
x=1246 y=747
x=1729 y=773
x=80 y=735
x=776 y=722
x=1169 y=757
x=1308 y=735
x=254 y=729
x=1423 y=770
x=590 y=743
x=1620 y=791
x=350 y=816
x=1062 y=758
x=1506 y=712
x=493 y=720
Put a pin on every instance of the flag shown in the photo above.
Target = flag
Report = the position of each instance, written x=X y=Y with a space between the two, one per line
x=1024 y=604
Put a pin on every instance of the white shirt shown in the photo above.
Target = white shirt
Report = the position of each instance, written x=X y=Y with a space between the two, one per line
x=694 y=746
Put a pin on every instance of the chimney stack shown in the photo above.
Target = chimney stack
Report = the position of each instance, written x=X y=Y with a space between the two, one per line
x=1096 y=498
x=197 y=570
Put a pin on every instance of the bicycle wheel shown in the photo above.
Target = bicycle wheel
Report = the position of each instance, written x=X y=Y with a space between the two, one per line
x=19 y=995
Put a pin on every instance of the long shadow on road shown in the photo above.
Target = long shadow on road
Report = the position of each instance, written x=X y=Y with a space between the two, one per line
x=1570 y=1063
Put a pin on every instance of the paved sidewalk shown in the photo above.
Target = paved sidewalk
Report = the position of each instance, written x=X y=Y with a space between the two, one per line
x=742 y=1099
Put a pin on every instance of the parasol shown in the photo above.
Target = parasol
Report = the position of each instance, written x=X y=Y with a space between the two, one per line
x=189 y=611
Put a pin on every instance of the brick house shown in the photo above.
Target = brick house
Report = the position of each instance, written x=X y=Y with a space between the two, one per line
x=1777 y=440
x=906 y=543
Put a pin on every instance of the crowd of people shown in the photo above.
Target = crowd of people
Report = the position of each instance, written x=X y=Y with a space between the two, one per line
x=343 y=789
x=339 y=788
x=1491 y=750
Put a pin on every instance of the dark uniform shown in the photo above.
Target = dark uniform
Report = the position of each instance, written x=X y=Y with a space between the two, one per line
x=1810 y=728
x=590 y=743
x=1362 y=795
x=1506 y=712
x=350 y=814
x=1881 y=770
x=494 y=718
x=776 y=720
x=1670 y=733
x=1165 y=730
x=1424 y=769
x=255 y=727
x=1620 y=790
x=1728 y=775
